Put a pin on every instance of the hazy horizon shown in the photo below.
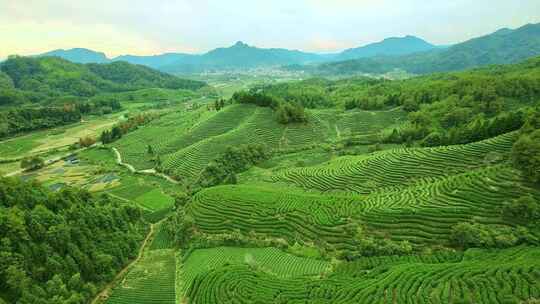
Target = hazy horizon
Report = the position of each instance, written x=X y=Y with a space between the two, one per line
x=142 y=28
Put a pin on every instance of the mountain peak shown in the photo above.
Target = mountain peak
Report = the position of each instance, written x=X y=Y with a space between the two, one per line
x=78 y=55
x=393 y=46
x=240 y=44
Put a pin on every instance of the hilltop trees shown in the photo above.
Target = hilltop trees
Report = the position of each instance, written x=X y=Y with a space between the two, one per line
x=223 y=170
x=290 y=113
x=286 y=112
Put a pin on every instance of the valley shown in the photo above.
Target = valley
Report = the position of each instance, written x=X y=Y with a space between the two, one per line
x=286 y=179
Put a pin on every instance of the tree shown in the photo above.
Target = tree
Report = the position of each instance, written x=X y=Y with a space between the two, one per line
x=526 y=156
x=524 y=209
x=32 y=163
x=106 y=137
x=116 y=132
x=470 y=235
x=150 y=150
x=87 y=141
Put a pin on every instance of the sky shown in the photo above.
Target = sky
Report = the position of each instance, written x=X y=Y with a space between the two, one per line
x=143 y=27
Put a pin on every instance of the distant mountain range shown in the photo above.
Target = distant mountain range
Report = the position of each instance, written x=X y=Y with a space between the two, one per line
x=409 y=53
x=501 y=47
x=388 y=47
x=243 y=56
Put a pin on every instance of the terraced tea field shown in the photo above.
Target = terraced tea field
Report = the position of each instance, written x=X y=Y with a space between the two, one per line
x=424 y=193
x=270 y=260
x=400 y=167
x=151 y=280
x=194 y=138
x=506 y=276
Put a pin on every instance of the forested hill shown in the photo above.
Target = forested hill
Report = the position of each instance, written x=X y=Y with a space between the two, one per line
x=61 y=247
x=39 y=78
x=502 y=47
x=38 y=93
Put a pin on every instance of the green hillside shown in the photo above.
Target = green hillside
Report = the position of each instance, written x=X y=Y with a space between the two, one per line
x=46 y=92
x=502 y=47
x=356 y=190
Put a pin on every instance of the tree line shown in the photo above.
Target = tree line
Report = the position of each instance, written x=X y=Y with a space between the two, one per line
x=18 y=120
x=121 y=128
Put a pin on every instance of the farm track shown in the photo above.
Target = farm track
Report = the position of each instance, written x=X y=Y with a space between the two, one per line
x=104 y=294
x=133 y=170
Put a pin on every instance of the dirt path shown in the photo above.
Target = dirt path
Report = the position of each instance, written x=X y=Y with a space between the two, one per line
x=133 y=170
x=154 y=172
x=104 y=294
x=121 y=163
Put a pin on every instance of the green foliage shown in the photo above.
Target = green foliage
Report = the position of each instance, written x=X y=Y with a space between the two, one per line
x=271 y=260
x=32 y=163
x=285 y=112
x=54 y=76
x=468 y=235
x=526 y=155
x=56 y=247
x=321 y=93
x=234 y=160
x=55 y=92
x=138 y=76
x=122 y=128
x=20 y=120
x=525 y=209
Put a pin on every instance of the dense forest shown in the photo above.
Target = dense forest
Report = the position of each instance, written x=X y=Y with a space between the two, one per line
x=61 y=247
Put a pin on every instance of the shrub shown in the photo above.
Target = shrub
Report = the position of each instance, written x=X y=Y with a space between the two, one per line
x=32 y=163
x=526 y=156
x=470 y=235
x=87 y=141
x=523 y=209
